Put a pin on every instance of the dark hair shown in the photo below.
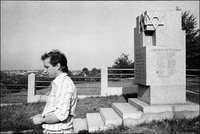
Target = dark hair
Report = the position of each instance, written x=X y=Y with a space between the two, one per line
x=56 y=57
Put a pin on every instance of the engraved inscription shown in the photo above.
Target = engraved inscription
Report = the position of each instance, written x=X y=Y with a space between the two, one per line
x=139 y=66
x=166 y=62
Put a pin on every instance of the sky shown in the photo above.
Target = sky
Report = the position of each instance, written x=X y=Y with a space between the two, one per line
x=92 y=34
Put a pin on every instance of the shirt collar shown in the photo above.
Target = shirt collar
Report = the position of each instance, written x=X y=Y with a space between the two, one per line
x=59 y=78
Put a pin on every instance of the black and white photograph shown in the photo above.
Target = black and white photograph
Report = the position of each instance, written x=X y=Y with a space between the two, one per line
x=100 y=67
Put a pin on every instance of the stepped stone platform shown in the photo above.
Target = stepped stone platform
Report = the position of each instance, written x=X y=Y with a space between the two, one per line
x=133 y=113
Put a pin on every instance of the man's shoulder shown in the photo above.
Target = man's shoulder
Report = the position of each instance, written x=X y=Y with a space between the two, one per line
x=68 y=80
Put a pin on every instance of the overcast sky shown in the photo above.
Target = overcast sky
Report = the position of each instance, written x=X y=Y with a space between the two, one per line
x=92 y=34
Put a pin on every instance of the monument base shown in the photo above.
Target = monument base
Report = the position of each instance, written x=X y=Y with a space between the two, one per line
x=158 y=108
x=162 y=94
x=151 y=113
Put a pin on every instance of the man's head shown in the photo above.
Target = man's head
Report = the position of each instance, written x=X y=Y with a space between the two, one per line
x=55 y=63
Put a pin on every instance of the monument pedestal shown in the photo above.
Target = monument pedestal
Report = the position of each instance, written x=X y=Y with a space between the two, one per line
x=162 y=94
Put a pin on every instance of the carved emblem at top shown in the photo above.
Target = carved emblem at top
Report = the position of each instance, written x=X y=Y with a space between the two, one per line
x=149 y=21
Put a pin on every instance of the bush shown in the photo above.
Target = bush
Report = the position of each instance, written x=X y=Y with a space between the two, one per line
x=4 y=90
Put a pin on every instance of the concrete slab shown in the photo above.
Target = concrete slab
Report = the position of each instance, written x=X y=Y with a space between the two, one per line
x=80 y=125
x=110 y=117
x=126 y=110
x=188 y=106
x=146 y=108
x=94 y=122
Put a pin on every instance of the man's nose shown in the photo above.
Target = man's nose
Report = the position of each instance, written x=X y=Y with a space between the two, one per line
x=45 y=71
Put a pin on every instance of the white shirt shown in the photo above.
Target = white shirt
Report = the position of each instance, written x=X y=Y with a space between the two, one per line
x=62 y=102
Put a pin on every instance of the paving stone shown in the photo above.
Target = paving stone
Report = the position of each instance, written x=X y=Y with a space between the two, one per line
x=94 y=122
x=110 y=117
x=80 y=125
x=125 y=110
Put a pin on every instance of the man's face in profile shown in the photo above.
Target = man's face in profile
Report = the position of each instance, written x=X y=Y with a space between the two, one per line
x=49 y=69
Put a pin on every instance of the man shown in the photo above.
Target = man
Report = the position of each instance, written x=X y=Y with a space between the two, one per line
x=59 y=111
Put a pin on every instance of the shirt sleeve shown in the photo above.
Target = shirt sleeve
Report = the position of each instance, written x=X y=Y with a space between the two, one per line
x=64 y=100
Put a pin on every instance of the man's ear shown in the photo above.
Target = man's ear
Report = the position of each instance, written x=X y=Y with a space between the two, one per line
x=58 y=66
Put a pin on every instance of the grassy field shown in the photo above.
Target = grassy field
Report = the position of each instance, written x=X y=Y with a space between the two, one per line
x=16 y=118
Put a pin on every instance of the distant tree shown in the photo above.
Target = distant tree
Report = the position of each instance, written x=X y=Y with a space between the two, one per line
x=123 y=62
x=189 y=24
x=85 y=71
x=4 y=91
x=95 y=72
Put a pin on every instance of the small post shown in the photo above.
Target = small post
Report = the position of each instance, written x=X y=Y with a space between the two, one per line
x=104 y=81
x=31 y=88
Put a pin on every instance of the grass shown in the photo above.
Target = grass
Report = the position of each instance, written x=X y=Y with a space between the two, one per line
x=92 y=104
x=86 y=88
x=176 y=126
x=16 y=118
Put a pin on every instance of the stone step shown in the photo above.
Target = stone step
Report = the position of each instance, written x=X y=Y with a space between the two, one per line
x=80 y=125
x=137 y=103
x=110 y=117
x=125 y=110
x=94 y=122
x=146 y=108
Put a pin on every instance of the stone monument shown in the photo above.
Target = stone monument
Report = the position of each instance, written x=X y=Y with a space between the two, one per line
x=160 y=60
